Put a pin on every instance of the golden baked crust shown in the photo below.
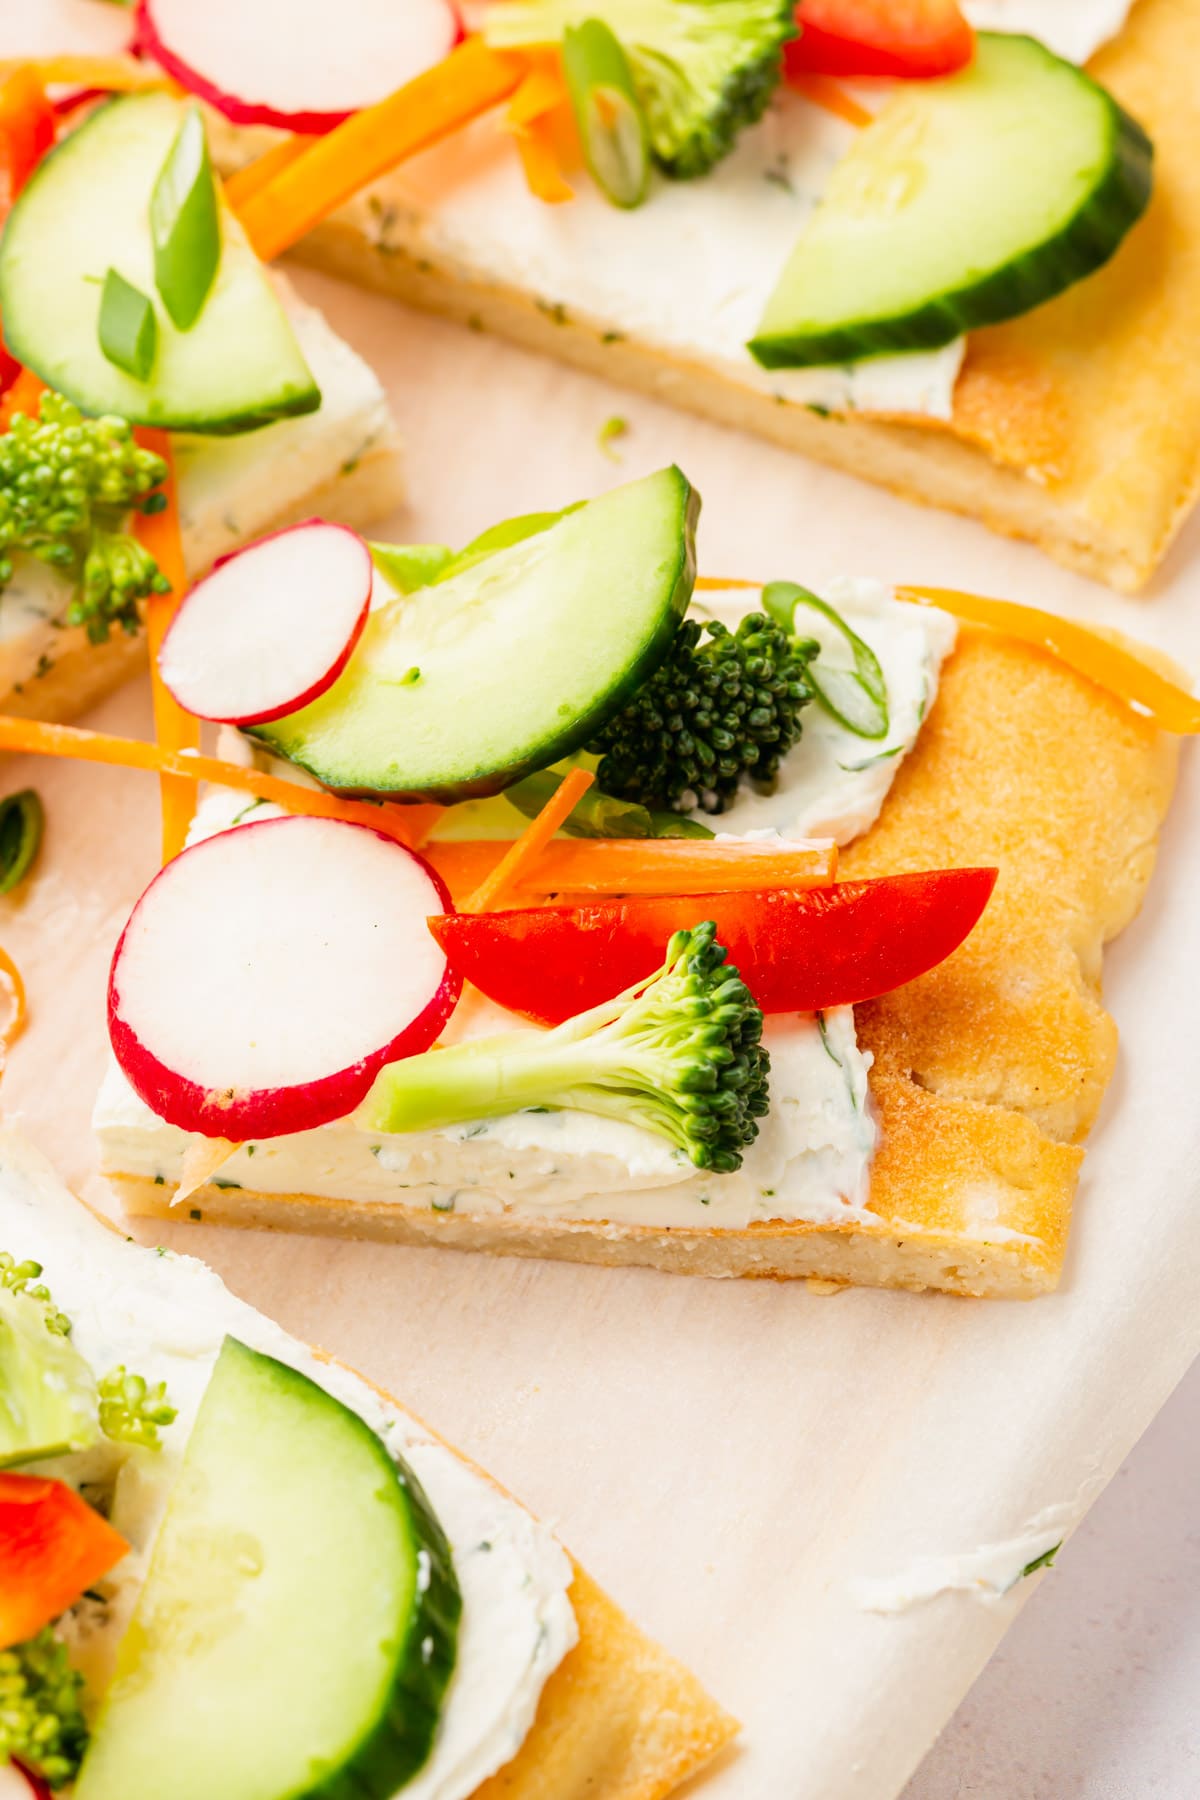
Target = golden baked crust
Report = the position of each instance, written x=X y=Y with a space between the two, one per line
x=988 y=1071
x=1076 y=426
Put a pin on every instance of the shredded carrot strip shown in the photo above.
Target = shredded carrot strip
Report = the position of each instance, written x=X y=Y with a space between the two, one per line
x=242 y=186
x=599 y=866
x=174 y=729
x=114 y=74
x=542 y=90
x=532 y=841
x=23 y=396
x=711 y=584
x=440 y=101
x=539 y=160
x=33 y=737
x=824 y=92
x=20 y=1012
x=1122 y=672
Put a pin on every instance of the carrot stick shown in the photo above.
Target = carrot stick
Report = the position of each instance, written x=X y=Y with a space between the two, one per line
x=113 y=74
x=245 y=182
x=16 y=1024
x=174 y=729
x=32 y=737
x=633 y=866
x=711 y=584
x=440 y=101
x=532 y=841
x=1121 y=672
x=539 y=160
x=824 y=92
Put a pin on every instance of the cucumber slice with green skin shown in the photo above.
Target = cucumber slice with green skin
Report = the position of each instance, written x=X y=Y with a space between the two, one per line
x=86 y=210
x=463 y=687
x=299 y=1621
x=968 y=201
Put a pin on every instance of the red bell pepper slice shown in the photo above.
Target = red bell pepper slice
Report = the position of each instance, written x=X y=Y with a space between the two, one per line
x=52 y=1547
x=27 y=127
x=797 y=952
x=903 y=38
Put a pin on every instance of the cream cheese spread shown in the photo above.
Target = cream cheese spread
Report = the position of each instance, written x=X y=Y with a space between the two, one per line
x=230 y=489
x=166 y=1316
x=1074 y=29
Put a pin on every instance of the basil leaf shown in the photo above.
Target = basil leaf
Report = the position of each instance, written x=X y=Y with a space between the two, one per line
x=184 y=224
x=854 y=695
x=21 y=823
x=128 y=327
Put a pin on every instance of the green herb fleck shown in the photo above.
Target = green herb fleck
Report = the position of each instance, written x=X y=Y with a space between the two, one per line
x=613 y=428
x=1044 y=1561
x=21 y=823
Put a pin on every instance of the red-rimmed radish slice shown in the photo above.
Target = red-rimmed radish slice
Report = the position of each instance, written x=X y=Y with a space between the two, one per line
x=267 y=974
x=302 y=68
x=271 y=627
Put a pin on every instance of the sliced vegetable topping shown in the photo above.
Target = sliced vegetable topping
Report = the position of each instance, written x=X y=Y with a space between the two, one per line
x=271 y=627
x=22 y=821
x=879 y=37
x=403 y=824
x=1122 y=672
x=632 y=866
x=235 y=1009
x=797 y=952
x=723 y=707
x=161 y=532
x=185 y=225
x=703 y=69
x=608 y=113
x=27 y=130
x=501 y=880
x=679 y=1055
x=229 y=54
x=855 y=694
x=298 y=1626
x=85 y=211
x=47 y=1391
x=512 y=659
x=128 y=327
x=901 y=254
x=599 y=815
x=52 y=1547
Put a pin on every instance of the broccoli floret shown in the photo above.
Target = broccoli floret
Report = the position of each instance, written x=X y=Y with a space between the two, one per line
x=41 y=1721
x=724 y=705
x=67 y=485
x=679 y=1054
x=131 y=1411
x=703 y=69
x=18 y=1276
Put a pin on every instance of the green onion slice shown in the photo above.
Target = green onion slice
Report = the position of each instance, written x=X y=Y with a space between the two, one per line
x=608 y=113
x=408 y=567
x=847 y=681
x=184 y=224
x=128 y=327
x=21 y=823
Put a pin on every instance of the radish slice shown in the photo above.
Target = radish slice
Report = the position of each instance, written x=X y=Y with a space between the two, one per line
x=271 y=627
x=267 y=974
x=305 y=68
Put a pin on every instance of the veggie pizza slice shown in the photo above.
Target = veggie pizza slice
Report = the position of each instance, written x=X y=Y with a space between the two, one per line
x=228 y=1565
x=162 y=398
x=581 y=907
x=949 y=250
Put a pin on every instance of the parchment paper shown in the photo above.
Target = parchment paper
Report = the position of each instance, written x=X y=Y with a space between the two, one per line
x=729 y=1459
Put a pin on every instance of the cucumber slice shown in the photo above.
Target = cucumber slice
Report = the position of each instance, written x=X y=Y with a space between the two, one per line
x=298 y=1625
x=88 y=209
x=463 y=687
x=968 y=201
